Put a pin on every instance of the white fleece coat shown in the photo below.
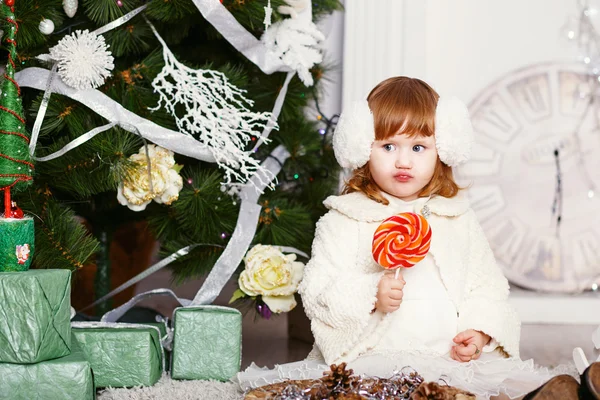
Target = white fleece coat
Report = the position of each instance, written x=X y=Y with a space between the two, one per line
x=340 y=281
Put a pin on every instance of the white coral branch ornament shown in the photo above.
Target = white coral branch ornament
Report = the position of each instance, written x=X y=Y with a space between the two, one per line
x=84 y=61
x=214 y=112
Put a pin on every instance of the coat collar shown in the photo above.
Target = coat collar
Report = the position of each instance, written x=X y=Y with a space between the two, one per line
x=359 y=207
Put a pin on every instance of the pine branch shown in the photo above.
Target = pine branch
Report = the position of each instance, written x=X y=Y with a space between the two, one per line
x=285 y=224
x=29 y=14
x=171 y=11
x=104 y=11
x=132 y=38
x=61 y=239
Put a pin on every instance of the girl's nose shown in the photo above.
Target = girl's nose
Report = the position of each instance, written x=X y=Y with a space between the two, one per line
x=403 y=161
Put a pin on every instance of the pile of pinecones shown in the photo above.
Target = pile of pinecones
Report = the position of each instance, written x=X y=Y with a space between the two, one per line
x=340 y=384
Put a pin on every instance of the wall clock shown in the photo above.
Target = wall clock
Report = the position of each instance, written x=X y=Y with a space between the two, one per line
x=534 y=176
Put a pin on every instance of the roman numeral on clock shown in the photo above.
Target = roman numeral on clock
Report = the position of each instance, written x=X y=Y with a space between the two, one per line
x=495 y=120
x=586 y=252
x=532 y=95
x=486 y=200
x=506 y=238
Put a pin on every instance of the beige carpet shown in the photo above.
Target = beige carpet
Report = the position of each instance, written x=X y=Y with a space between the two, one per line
x=168 y=389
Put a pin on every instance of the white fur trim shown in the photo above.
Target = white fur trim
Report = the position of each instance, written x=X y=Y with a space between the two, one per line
x=354 y=135
x=453 y=131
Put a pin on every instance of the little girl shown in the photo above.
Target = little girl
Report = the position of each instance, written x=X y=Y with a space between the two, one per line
x=448 y=316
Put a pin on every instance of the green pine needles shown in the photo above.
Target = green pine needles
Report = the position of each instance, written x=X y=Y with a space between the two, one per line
x=74 y=197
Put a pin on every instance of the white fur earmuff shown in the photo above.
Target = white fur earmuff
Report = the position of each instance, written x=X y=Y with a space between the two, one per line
x=453 y=131
x=354 y=135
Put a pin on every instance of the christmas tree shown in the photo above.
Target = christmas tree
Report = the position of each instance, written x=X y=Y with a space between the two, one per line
x=16 y=167
x=92 y=182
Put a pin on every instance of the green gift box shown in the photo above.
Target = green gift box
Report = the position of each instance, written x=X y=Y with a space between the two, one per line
x=121 y=354
x=207 y=343
x=34 y=322
x=65 y=378
x=16 y=243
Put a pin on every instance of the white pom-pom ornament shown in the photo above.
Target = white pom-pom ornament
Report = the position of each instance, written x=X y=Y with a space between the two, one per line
x=84 y=61
x=46 y=26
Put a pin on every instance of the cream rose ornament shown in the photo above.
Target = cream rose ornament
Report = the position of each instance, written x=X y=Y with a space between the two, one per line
x=273 y=275
x=134 y=192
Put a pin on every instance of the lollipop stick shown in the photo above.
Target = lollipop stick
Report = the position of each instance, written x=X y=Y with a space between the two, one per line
x=397 y=273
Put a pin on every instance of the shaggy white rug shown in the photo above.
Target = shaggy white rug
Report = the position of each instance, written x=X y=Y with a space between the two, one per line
x=170 y=389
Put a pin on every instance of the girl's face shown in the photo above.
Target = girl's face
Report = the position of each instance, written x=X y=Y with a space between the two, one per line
x=402 y=166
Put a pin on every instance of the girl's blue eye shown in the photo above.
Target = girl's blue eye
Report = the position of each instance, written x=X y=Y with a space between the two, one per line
x=418 y=148
x=389 y=147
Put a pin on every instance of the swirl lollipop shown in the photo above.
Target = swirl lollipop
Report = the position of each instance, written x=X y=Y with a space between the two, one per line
x=401 y=241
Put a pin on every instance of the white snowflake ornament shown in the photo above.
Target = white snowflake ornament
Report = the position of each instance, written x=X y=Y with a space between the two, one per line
x=298 y=43
x=84 y=61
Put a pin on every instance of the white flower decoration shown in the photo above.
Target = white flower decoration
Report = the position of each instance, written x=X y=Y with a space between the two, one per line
x=134 y=192
x=84 y=61
x=273 y=275
x=298 y=43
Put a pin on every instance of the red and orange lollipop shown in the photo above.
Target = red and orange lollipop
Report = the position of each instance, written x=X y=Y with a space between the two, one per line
x=401 y=241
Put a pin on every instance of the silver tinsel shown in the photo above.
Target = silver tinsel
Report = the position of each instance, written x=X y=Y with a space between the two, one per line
x=70 y=7
x=400 y=385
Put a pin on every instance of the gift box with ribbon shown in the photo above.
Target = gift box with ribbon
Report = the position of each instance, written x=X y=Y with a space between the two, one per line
x=65 y=378
x=121 y=354
x=36 y=310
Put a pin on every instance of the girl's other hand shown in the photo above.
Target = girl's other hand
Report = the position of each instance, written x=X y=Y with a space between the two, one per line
x=389 y=292
x=468 y=345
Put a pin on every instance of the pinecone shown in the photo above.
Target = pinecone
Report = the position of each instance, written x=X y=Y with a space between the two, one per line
x=339 y=379
x=434 y=391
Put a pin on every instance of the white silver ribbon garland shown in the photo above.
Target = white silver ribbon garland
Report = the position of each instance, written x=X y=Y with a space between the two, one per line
x=120 y=21
x=147 y=272
x=231 y=257
x=42 y=111
x=243 y=41
x=287 y=249
x=114 y=112
x=115 y=314
x=243 y=233
x=276 y=111
x=227 y=25
x=77 y=142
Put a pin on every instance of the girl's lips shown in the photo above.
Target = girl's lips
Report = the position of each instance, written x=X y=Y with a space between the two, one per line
x=402 y=177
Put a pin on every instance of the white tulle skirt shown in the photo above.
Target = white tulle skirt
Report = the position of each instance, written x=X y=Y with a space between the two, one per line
x=490 y=375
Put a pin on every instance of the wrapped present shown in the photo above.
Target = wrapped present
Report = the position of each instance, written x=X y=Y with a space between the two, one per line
x=121 y=354
x=207 y=343
x=65 y=378
x=34 y=323
x=16 y=243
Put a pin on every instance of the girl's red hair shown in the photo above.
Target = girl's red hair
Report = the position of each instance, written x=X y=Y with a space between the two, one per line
x=403 y=105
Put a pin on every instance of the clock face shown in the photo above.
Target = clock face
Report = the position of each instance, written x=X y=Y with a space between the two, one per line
x=537 y=158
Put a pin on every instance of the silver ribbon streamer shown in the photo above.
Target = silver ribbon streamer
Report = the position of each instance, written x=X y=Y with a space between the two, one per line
x=244 y=231
x=114 y=112
x=231 y=257
x=276 y=110
x=75 y=143
x=120 y=21
x=114 y=315
x=149 y=271
x=243 y=41
x=42 y=111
